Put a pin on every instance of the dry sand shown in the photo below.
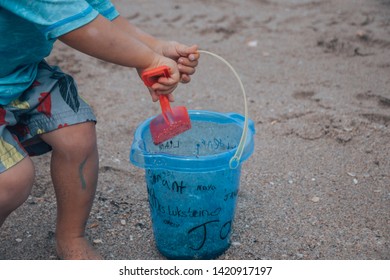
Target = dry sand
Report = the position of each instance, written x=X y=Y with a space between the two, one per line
x=317 y=76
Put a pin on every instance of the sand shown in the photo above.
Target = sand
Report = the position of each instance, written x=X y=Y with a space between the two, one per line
x=317 y=76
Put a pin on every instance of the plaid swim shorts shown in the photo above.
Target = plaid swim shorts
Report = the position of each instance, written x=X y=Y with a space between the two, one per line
x=50 y=103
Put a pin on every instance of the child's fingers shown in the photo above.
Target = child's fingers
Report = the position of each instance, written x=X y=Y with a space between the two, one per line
x=171 y=97
x=187 y=62
x=194 y=56
x=186 y=69
x=155 y=95
x=185 y=79
x=166 y=81
x=163 y=88
x=186 y=51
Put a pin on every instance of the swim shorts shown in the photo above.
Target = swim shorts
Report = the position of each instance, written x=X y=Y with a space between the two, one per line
x=50 y=103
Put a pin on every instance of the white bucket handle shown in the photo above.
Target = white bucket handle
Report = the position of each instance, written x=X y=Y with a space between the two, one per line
x=235 y=160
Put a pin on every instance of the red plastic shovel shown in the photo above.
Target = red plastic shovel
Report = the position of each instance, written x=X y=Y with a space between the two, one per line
x=172 y=121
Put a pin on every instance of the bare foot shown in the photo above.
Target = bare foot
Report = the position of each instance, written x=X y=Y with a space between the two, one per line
x=76 y=249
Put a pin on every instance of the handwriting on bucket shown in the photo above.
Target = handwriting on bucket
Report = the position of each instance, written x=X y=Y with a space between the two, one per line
x=178 y=186
x=174 y=186
x=176 y=211
x=214 y=144
x=217 y=144
x=199 y=233
x=169 y=145
x=202 y=236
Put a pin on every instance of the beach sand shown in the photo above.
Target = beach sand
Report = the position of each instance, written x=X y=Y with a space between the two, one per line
x=317 y=77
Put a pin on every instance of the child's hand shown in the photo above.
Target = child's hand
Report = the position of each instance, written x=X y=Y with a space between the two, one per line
x=182 y=61
x=185 y=56
x=164 y=85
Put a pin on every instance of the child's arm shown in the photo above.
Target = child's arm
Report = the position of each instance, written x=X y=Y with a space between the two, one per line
x=104 y=40
x=186 y=56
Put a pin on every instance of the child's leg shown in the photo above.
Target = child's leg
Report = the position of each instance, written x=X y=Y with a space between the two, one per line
x=15 y=187
x=74 y=170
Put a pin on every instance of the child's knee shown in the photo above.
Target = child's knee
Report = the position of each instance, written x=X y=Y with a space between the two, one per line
x=83 y=141
x=16 y=184
x=73 y=141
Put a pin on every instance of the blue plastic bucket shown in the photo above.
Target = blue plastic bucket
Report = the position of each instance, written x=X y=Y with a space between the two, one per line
x=192 y=184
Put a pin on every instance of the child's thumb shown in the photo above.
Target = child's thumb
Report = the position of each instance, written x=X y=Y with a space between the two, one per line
x=184 y=50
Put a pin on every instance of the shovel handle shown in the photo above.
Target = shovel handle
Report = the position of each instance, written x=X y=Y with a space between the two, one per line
x=150 y=77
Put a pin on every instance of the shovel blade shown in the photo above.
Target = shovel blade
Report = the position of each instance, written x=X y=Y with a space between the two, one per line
x=169 y=124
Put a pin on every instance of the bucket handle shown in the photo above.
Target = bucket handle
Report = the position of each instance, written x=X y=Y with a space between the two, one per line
x=235 y=160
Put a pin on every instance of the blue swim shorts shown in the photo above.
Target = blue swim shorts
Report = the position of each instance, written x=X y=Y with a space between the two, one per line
x=51 y=102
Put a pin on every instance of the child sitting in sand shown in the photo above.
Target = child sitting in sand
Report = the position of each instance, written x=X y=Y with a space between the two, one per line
x=40 y=109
